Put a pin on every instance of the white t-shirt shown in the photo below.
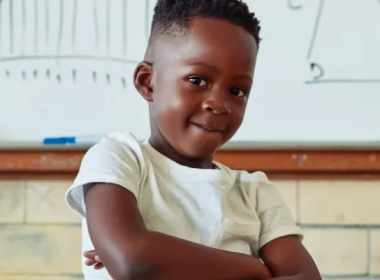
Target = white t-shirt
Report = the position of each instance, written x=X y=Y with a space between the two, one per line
x=222 y=208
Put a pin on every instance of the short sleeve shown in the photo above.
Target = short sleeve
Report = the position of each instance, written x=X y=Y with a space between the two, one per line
x=274 y=214
x=114 y=160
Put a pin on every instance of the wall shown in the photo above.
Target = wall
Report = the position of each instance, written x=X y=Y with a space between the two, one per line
x=41 y=239
x=53 y=53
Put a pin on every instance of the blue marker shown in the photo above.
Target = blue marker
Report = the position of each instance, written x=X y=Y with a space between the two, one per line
x=71 y=140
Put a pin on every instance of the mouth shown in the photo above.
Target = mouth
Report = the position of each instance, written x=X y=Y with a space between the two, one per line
x=208 y=128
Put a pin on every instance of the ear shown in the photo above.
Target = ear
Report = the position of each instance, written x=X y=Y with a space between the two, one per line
x=143 y=78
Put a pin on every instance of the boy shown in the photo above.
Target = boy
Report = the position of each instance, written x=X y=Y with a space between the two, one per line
x=162 y=209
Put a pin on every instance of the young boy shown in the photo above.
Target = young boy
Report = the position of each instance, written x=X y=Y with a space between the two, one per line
x=162 y=209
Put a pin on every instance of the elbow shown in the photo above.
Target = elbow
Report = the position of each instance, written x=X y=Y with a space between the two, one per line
x=131 y=271
x=135 y=266
x=314 y=275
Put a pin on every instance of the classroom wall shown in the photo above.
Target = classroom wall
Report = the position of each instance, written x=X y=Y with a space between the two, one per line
x=41 y=239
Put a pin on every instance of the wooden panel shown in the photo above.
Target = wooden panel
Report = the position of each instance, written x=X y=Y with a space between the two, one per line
x=279 y=163
x=40 y=162
x=303 y=161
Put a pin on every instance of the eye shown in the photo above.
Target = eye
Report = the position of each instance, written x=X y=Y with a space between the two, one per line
x=238 y=92
x=198 y=81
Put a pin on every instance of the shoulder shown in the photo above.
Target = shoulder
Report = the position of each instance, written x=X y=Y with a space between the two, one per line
x=118 y=142
x=116 y=159
x=113 y=150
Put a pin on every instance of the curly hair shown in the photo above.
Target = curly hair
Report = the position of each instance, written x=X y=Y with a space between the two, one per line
x=172 y=17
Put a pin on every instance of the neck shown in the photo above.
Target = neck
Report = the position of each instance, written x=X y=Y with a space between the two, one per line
x=160 y=144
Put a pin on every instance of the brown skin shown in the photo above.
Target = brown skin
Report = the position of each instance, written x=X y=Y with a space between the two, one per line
x=129 y=251
x=197 y=87
x=189 y=84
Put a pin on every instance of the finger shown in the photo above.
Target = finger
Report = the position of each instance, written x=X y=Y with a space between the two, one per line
x=90 y=262
x=97 y=259
x=89 y=254
x=98 y=266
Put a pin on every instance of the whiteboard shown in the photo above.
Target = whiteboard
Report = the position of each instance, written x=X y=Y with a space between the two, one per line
x=66 y=69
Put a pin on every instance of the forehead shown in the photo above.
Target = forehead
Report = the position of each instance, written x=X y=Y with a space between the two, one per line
x=214 y=42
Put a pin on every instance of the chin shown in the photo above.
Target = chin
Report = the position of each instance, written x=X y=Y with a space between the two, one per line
x=200 y=150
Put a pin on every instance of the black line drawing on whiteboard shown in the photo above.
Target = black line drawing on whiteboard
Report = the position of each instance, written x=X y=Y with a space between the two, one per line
x=60 y=32
x=47 y=23
x=125 y=28
x=343 y=81
x=23 y=27
x=108 y=25
x=96 y=23
x=36 y=14
x=319 y=73
x=317 y=68
x=68 y=57
x=0 y=24
x=74 y=25
x=316 y=27
x=147 y=18
x=292 y=6
x=61 y=24
x=11 y=27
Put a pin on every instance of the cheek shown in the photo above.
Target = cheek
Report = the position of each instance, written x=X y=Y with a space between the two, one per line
x=239 y=109
x=237 y=116
x=172 y=106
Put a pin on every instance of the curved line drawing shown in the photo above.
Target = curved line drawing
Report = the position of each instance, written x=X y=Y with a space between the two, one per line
x=67 y=57
x=316 y=28
x=294 y=7
x=315 y=68
x=318 y=73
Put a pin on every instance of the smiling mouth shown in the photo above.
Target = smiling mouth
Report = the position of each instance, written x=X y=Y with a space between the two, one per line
x=208 y=129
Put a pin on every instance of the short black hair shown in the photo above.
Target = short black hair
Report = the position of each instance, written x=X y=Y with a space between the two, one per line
x=172 y=17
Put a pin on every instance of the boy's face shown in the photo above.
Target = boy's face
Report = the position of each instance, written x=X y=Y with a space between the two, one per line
x=199 y=87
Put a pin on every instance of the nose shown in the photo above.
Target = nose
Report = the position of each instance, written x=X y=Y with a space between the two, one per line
x=217 y=104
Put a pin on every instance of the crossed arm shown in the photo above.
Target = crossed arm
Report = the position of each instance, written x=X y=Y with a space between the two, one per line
x=129 y=251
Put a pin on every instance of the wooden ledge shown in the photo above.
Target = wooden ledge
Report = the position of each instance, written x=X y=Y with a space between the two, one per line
x=280 y=163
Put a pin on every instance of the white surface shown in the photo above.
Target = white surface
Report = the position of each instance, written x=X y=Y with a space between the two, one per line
x=282 y=107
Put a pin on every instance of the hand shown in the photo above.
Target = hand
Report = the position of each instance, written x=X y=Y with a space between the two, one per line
x=92 y=259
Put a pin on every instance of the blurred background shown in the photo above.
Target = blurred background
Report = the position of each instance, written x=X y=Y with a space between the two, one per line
x=312 y=123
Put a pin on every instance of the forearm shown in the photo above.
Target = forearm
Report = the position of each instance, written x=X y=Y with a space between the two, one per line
x=300 y=276
x=293 y=277
x=172 y=258
x=129 y=251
